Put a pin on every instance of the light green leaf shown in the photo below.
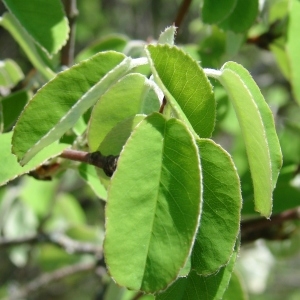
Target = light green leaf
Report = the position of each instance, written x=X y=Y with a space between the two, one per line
x=185 y=86
x=9 y=22
x=215 y=11
x=197 y=287
x=10 y=168
x=282 y=58
x=242 y=17
x=49 y=31
x=258 y=130
x=10 y=73
x=222 y=202
x=236 y=289
x=293 y=46
x=167 y=36
x=133 y=94
x=58 y=105
x=115 y=140
x=89 y=174
x=153 y=206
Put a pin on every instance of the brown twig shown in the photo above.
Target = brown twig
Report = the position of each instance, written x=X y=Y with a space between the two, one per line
x=107 y=163
x=254 y=229
x=67 y=52
x=183 y=9
x=164 y=102
x=58 y=239
x=48 y=278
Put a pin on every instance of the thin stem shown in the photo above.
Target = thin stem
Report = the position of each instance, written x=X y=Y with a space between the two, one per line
x=183 y=9
x=58 y=239
x=67 y=52
x=254 y=229
x=107 y=163
x=212 y=73
x=164 y=102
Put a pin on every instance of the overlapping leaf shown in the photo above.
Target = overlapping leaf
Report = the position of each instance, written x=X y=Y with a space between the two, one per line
x=115 y=42
x=50 y=32
x=220 y=220
x=199 y=287
x=39 y=61
x=236 y=289
x=12 y=105
x=10 y=73
x=154 y=203
x=133 y=94
x=242 y=17
x=293 y=46
x=186 y=87
x=114 y=141
x=57 y=106
x=215 y=11
x=258 y=130
x=11 y=169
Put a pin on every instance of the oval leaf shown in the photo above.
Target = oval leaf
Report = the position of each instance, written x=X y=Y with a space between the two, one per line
x=258 y=130
x=222 y=202
x=186 y=87
x=293 y=46
x=10 y=168
x=154 y=204
x=133 y=94
x=49 y=32
x=214 y=11
x=34 y=54
x=57 y=106
x=199 y=287
x=242 y=17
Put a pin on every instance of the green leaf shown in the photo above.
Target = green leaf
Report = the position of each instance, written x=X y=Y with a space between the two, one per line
x=186 y=87
x=282 y=58
x=236 y=289
x=167 y=36
x=242 y=17
x=222 y=202
x=49 y=31
x=114 y=42
x=10 y=73
x=10 y=168
x=153 y=206
x=293 y=46
x=12 y=105
x=57 y=106
x=212 y=48
x=197 y=287
x=215 y=11
x=89 y=174
x=133 y=94
x=115 y=140
x=9 y=22
x=258 y=130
